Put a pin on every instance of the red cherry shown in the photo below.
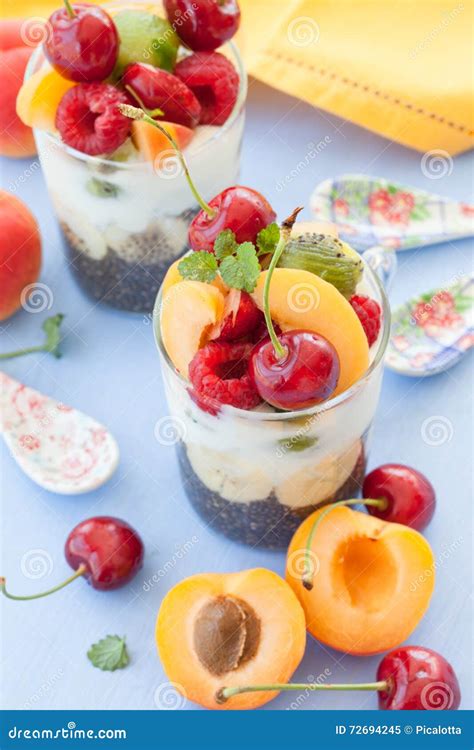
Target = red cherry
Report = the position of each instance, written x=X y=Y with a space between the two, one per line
x=241 y=209
x=158 y=89
x=83 y=43
x=204 y=25
x=410 y=496
x=306 y=375
x=110 y=550
x=420 y=680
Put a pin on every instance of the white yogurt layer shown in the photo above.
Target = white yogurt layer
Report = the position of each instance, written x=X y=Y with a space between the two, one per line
x=138 y=197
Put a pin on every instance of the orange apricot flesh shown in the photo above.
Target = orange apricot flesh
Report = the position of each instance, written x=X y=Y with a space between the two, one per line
x=370 y=584
x=203 y=646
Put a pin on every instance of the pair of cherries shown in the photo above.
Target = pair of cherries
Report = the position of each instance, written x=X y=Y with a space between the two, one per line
x=83 y=42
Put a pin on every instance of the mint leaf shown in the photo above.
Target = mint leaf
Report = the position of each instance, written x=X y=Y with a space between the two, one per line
x=225 y=244
x=51 y=328
x=267 y=239
x=241 y=271
x=109 y=654
x=199 y=266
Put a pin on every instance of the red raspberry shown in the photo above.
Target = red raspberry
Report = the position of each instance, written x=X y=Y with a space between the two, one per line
x=88 y=119
x=158 y=89
x=246 y=319
x=214 y=81
x=369 y=313
x=219 y=371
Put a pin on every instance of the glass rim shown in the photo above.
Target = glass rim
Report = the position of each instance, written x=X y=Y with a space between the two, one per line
x=260 y=416
x=100 y=161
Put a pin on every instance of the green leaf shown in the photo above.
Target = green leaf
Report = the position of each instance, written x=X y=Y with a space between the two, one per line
x=267 y=239
x=51 y=328
x=297 y=443
x=241 y=271
x=225 y=244
x=109 y=654
x=199 y=266
x=392 y=189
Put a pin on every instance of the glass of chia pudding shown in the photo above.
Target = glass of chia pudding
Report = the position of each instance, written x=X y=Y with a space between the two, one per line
x=124 y=215
x=254 y=473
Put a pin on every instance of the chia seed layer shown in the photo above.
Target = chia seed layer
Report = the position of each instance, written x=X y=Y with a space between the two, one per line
x=260 y=523
x=129 y=280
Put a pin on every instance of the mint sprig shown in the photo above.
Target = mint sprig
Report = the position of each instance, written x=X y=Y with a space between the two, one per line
x=109 y=654
x=241 y=271
x=238 y=264
x=267 y=239
x=199 y=266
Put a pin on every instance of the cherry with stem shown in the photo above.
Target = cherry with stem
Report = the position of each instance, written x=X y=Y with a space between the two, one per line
x=408 y=678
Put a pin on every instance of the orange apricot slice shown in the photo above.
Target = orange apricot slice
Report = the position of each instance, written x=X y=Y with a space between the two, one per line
x=223 y=630
x=189 y=309
x=39 y=97
x=372 y=581
x=173 y=276
x=151 y=142
x=301 y=300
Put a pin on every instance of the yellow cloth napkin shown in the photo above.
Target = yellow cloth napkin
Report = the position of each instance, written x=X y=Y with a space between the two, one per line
x=402 y=68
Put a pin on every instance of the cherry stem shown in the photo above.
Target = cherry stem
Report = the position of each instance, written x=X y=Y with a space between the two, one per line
x=225 y=693
x=79 y=572
x=381 y=503
x=285 y=232
x=135 y=113
x=21 y=352
x=151 y=112
x=69 y=8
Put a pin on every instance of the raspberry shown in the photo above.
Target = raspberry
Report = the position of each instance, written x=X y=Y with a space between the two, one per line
x=88 y=119
x=219 y=371
x=214 y=81
x=246 y=319
x=369 y=313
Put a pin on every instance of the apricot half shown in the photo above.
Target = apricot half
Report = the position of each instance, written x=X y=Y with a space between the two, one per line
x=224 y=630
x=372 y=581
x=300 y=299
x=188 y=311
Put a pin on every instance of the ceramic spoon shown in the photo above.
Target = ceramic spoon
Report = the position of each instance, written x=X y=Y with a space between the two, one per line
x=371 y=211
x=58 y=447
x=432 y=332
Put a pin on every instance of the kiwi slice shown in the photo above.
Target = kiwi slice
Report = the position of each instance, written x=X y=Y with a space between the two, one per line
x=327 y=257
x=145 y=38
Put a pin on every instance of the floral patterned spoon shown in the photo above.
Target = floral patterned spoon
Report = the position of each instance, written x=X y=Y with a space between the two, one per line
x=58 y=447
x=431 y=333
x=371 y=211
